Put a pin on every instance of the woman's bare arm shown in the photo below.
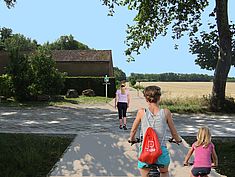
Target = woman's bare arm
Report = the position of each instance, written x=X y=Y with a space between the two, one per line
x=136 y=123
x=128 y=100
x=115 y=101
x=172 y=126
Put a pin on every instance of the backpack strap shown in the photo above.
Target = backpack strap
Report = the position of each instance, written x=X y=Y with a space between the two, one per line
x=162 y=114
x=147 y=113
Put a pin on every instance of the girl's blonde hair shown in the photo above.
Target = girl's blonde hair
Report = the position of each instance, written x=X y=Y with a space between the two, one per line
x=203 y=137
x=152 y=93
x=123 y=88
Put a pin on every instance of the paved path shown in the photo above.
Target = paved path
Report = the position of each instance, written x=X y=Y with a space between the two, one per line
x=100 y=147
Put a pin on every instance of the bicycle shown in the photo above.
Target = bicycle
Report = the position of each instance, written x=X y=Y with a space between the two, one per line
x=154 y=168
x=200 y=173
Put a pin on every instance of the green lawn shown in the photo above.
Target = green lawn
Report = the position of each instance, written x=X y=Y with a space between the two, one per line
x=64 y=101
x=30 y=155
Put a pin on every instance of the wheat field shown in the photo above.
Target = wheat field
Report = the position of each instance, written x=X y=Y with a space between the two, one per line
x=188 y=89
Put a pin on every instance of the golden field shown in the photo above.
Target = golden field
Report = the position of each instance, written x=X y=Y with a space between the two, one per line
x=188 y=89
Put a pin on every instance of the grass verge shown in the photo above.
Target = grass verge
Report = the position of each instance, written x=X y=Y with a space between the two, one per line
x=186 y=105
x=30 y=155
x=64 y=101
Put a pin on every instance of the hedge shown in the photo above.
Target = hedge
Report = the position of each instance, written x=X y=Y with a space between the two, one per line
x=94 y=83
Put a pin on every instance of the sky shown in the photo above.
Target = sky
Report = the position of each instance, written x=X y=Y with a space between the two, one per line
x=89 y=23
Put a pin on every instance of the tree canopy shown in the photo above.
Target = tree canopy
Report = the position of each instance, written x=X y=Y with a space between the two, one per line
x=206 y=47
x=10 y=3
x=119 y=74
x=67 y=43
x=154 y=17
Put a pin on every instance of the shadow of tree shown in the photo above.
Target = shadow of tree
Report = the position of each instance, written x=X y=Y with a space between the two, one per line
x=98 y=155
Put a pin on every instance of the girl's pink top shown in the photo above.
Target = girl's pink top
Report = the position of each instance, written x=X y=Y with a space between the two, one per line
x=122 y=97
x=202 y=155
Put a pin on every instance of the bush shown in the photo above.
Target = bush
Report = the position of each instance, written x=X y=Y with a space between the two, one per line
x=6 y=86
x=132 y=81
x=94 y=83
x=47 y=80
x=21 y=73
x=229 y=105
x=34 y=74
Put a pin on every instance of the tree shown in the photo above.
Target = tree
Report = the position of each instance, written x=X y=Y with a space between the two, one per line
x=34 y=74
x=20 y=42
x=119 y=74
x=21 y=75
x=67 y=43
x=47 y=80
x=154 y=17
x=4 y=34
x=10 y=3
x=207 y=47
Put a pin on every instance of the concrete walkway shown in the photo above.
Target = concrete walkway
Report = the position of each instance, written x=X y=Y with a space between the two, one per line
x=100 y=147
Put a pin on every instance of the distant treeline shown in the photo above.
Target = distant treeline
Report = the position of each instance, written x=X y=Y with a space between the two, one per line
x=173 y=77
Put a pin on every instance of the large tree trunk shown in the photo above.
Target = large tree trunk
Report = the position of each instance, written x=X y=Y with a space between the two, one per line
x=224 y=56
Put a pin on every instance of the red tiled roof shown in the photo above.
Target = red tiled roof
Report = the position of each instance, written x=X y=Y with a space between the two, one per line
x=82 y=55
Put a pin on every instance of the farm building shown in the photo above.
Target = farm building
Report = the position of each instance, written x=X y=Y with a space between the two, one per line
x=76 y=62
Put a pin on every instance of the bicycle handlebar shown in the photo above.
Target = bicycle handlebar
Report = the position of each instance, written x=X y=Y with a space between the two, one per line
x=191 y=164
x=172 y=140
x=138 y=140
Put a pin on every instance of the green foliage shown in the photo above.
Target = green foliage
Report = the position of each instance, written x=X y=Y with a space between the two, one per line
x=132 y=81
x=21 y=74
x=34 y=74
x=86 y=100
x=186 y=105
x=20 y=42
x=24 y=155
x=10 y=3
x=5 y=33
x=154 y=17
x=119 y=74
x=67 y=43
x=228 y=104
x=172 y=77
x=6 y=86
x=47 y=80
x=207 y=47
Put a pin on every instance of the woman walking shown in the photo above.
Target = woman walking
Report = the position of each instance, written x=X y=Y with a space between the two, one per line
x=122 y=101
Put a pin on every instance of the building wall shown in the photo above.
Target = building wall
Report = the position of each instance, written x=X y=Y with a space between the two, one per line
x=85 y=68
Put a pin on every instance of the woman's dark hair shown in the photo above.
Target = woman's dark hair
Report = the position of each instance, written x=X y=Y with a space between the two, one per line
x=152 y=93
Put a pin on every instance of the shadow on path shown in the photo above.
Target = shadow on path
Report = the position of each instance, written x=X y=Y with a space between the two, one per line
x=98 y=155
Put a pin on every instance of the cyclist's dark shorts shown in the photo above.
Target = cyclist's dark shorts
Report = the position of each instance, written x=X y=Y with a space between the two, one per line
x=196 y=171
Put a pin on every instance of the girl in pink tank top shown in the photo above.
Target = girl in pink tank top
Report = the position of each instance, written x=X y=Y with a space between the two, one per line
x=204 y=153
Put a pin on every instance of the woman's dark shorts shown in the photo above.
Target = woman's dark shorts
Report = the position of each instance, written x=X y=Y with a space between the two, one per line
x=196 y=171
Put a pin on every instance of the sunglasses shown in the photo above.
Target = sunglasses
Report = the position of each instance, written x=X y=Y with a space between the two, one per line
x=122 y=85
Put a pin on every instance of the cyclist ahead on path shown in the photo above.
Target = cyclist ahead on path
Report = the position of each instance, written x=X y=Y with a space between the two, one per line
x=203 y=150
x=122 y=101
x=160 y=119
